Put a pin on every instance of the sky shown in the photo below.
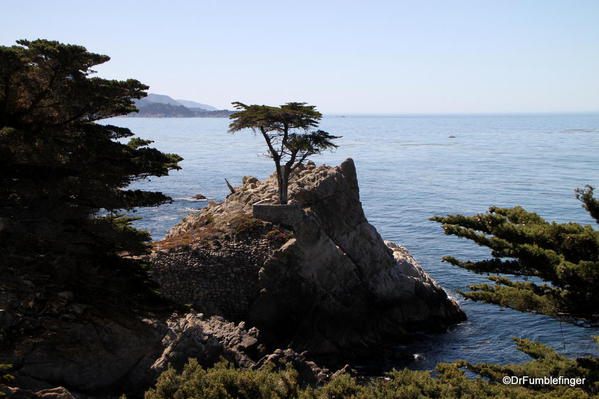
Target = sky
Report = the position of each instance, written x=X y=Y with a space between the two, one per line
x=405 y=57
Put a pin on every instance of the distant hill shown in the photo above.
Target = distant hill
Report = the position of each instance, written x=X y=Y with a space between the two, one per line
x=195 y=105
x=163 y=106
x=158 y=99
x=162 y=110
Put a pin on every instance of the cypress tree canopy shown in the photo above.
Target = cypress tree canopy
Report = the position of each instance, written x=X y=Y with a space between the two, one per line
x=64 y=175
x=566 y=255
x=286 y=131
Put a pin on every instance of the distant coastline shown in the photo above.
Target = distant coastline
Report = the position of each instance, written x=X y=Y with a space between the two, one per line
x=163 y=106
x=166 y=112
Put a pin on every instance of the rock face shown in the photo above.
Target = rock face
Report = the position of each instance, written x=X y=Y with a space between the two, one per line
x=332 y=286
x=113 y=352
x=104 y=356
x=207 y=339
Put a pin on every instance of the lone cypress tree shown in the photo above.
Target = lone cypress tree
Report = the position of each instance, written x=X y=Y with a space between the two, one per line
x=564 y=254
x=286 y=131
x=64 y=175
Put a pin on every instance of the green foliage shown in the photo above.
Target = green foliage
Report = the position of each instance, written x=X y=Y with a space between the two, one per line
x=286 y=131
x=5 y=376
x=524 y=296
x=591 y=204
x=522 y=243
x=65 y=176
x=224 y=381
x=547 y=362
x=448 y=381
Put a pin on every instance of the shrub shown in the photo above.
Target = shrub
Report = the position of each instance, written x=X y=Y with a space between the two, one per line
x=224 y=381
x=4 y=373
x=448 y=381
x=244 y=223
x=276 y=235
x=5 y=377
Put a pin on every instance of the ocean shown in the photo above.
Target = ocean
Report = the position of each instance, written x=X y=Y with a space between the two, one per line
x=412 y=167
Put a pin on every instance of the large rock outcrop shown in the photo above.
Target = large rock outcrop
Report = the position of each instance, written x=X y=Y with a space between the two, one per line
x=105 y=353
x=324 y=280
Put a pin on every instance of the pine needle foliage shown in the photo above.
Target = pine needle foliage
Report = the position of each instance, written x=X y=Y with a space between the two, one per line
x=64 y=177
x=286 y=131
x=565 y=255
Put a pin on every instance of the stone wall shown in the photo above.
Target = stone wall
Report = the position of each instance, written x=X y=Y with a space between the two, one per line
x=285 y=214
x=226 y=288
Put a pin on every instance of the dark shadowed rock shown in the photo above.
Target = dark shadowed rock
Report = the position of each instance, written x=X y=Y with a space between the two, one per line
x=115 y=353
x=208 y=339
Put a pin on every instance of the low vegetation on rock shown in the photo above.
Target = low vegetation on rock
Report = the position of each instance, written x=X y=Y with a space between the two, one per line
x=449 y=381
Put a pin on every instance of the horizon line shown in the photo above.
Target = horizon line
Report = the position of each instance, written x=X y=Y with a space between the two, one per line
x=492 y=113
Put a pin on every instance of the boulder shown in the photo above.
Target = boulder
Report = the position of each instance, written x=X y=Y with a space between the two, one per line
x=309 y=373
x=208 y=340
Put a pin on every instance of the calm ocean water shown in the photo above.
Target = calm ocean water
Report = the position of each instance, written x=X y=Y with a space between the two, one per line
x=410 y=169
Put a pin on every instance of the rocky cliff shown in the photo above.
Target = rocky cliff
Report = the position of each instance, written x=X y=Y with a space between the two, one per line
x=313 y=275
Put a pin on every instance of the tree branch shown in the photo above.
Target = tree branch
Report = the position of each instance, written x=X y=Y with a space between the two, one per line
x=273 y=152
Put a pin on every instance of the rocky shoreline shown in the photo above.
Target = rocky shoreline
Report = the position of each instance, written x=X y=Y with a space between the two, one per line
x=318 y=288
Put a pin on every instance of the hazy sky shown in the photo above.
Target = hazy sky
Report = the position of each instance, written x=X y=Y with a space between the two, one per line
x=343 y=56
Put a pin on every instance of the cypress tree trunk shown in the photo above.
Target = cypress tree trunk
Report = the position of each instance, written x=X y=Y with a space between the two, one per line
x=283 y=191
x=282 y=183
